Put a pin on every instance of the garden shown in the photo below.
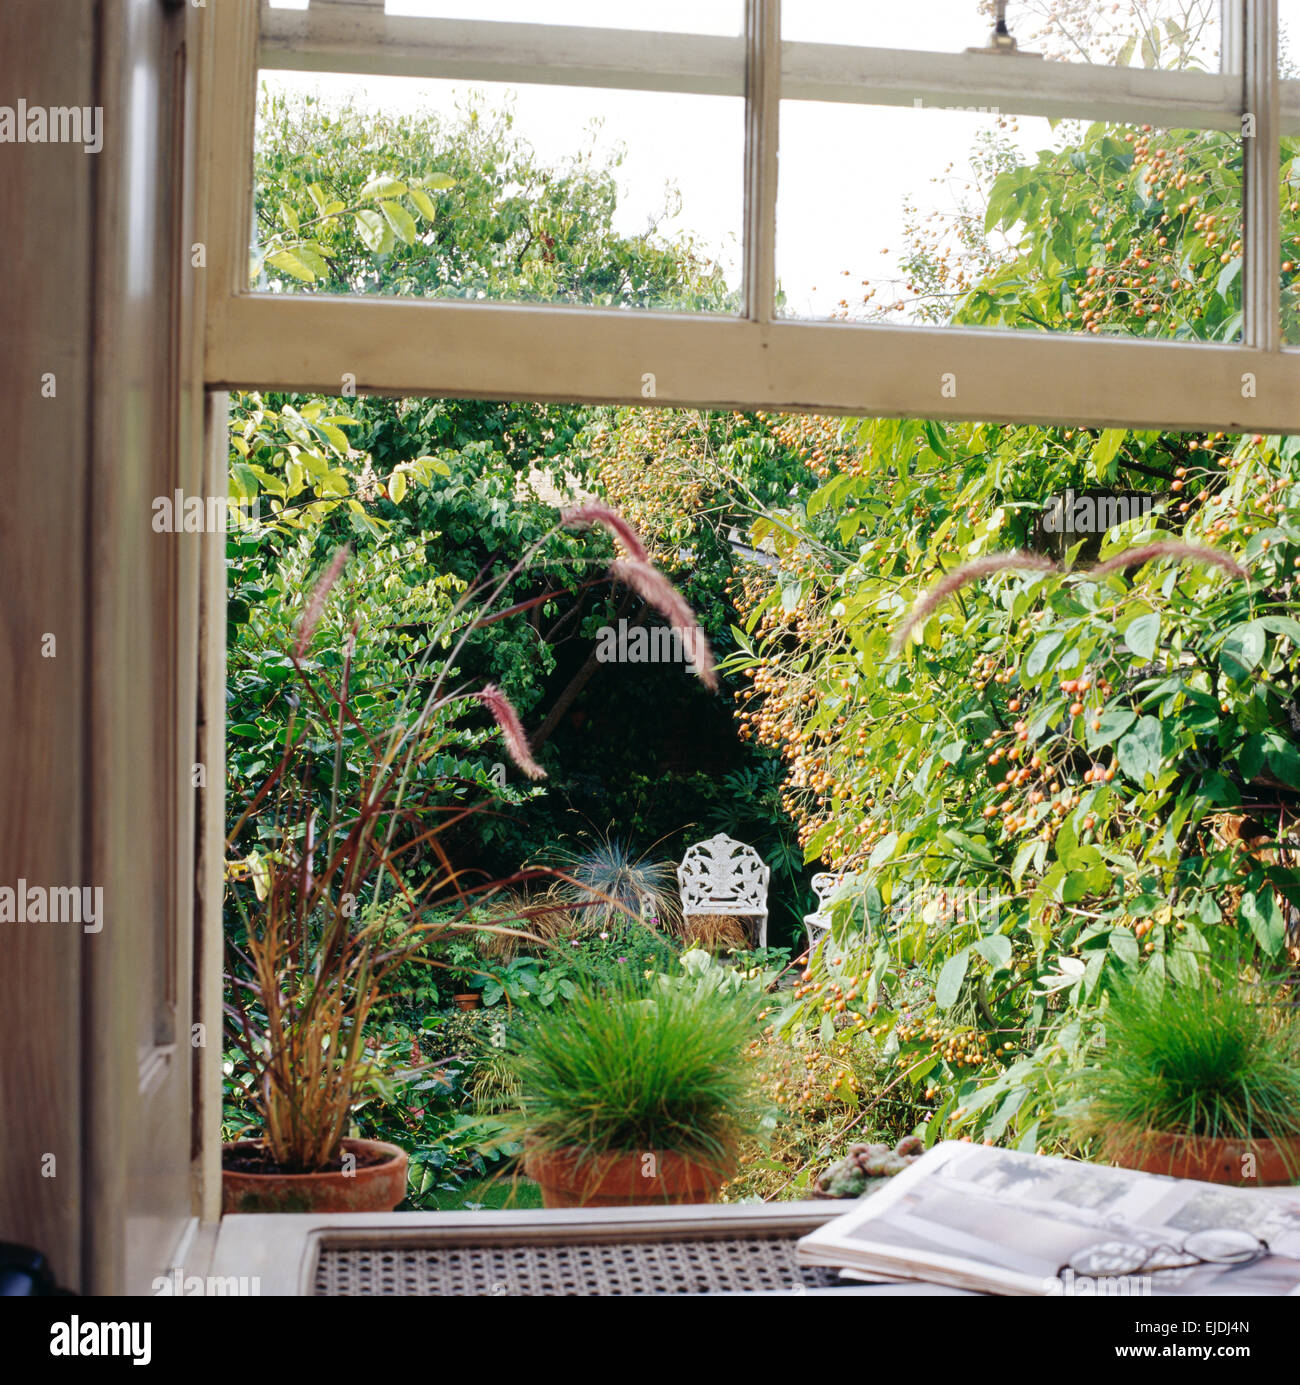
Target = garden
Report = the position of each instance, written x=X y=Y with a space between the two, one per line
x=1044 y=770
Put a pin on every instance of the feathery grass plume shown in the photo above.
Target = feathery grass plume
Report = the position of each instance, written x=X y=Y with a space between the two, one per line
x=962 y=576
x=315 y=607
x=1180 y=552
x=585 y=516
x=512 y=730
x=654 y=588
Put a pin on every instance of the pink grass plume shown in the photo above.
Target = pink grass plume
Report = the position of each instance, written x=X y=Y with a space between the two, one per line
x=512 y=730
x=315 y=607
x=587 y=516
x=1179 y=552
x=656 y=590
x=962 y=576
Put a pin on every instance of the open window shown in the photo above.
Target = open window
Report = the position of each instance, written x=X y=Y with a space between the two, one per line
x=841 y=112
x=848 y=108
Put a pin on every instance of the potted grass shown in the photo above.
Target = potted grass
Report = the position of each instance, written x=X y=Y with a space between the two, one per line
x=635 y=1094
x=1198 y=1079
x=335 y=909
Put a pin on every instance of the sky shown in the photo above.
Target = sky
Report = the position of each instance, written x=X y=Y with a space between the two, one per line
x=845 y=171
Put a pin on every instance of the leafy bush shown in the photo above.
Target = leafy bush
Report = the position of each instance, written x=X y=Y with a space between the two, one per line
x=1107 y=762
x=822 y=1098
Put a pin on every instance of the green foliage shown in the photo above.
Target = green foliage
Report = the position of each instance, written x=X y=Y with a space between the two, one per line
x=1124 y=233
x=1108 y=763
x=347 y=201
x=1211 y=1056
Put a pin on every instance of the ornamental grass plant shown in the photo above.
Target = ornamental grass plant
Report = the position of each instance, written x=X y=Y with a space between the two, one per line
x=1217 y=1057
x=632 y=1067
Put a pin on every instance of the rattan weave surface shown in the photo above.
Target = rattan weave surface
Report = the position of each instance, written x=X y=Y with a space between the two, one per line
x=719 y=1264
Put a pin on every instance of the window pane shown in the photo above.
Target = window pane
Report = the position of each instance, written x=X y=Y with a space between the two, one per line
x=665 y=16
x=1288 y=39
x=1140 y=33
x=982 y=219
x=412 y=187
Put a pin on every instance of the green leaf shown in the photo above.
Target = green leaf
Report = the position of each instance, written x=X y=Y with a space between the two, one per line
x=1260 y=910
x=996 y=951
x=1124 y=945
x=1242 y=650
x=246 y=481
x=424 y=204
x=375 y=232
x=1024 y=855
x=883 y=850
x=289 y=263
x=1041 y=653
x=1142 y=634
x=382 y=185
x=938 y=443
x=1107 y=447
x=1250 y=759
x=948 y=986
x=402 y=222
x=1227 y=276
x=397 y=486
x=1113 y=725
x=1283 y=625
x=1138 y=752
x=1283 y=759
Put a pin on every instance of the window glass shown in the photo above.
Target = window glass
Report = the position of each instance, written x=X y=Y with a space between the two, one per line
x=1137 y=33
x=984 y=219
x=439 y=189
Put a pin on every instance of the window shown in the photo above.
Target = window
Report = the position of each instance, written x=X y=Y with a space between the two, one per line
x=846 y=96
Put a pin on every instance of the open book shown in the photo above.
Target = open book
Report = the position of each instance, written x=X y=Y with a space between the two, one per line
x=998 y=1221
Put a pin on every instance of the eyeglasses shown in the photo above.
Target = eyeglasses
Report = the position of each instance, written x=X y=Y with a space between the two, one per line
x=1223 y=1247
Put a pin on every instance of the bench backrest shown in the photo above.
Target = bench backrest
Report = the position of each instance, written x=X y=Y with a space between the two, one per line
x=722 y=875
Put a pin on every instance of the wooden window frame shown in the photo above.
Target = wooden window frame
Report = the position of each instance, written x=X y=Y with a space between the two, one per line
x=501 y=350
x=307 y=343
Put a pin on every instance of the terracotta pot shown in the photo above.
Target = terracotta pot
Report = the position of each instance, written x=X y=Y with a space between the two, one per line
x=468 y=1000
x=622 y=1180
x=1276 y=1162
x=377 y=1184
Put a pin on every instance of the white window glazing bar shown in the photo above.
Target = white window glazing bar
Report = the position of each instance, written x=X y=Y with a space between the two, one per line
x=902 y=77
x=762 y=133
x=1261 y=269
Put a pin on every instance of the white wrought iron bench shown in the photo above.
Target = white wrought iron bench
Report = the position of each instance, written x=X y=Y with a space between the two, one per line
x=722 y=876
